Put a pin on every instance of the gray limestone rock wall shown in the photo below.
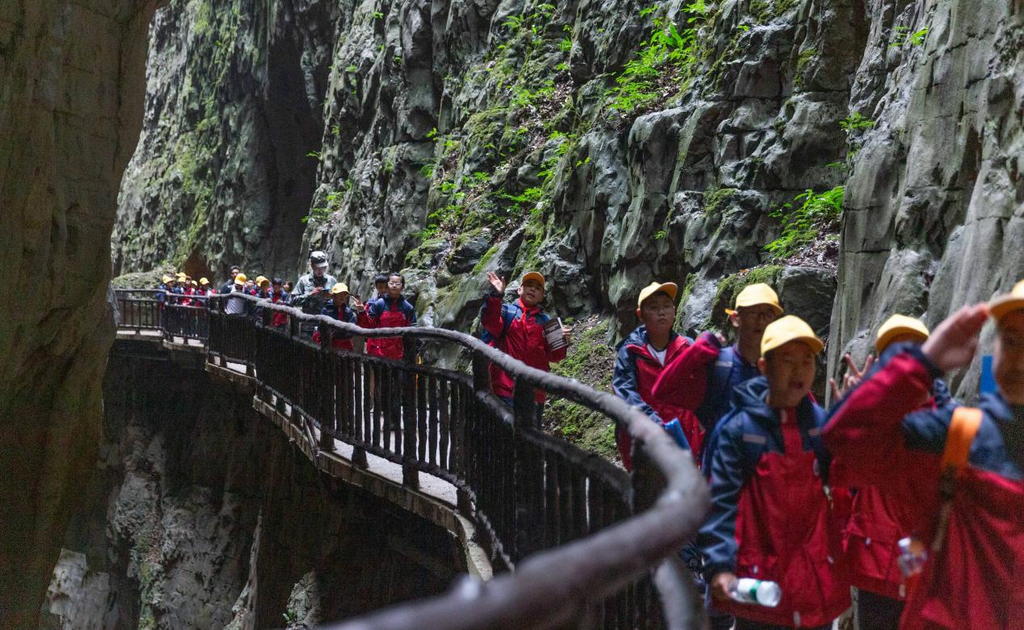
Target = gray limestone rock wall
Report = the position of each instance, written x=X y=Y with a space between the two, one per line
x=610 y=143
x=221 y=175
x=200 y=514
x=71 y=95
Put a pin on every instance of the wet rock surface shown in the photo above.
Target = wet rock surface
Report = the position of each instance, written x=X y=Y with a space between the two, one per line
x=200 y=514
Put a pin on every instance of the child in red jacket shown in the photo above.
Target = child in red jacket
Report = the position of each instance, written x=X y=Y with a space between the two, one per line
x=971 y=574
x=518 y=330
x=390 y=311
x=882 y=513
x=771 y=513
x=641 y=358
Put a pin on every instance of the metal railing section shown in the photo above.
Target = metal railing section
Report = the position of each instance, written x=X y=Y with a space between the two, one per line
x=582 y=537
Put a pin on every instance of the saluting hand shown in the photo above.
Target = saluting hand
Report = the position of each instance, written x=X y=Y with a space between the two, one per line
x=953 y=342
x=496 y=282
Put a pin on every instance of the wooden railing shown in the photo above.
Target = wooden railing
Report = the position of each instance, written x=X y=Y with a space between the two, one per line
x=581 y=537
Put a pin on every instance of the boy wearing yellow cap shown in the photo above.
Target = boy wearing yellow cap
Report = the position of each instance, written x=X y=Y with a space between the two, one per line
x=339 y=309
x=965 y=465
x=517 y=329
x=882 y=513
x=719 y=367
x=641 y=358
x=771 y=513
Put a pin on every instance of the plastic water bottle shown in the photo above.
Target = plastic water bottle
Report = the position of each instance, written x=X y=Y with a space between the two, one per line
x=913 y=556
x=760 y=592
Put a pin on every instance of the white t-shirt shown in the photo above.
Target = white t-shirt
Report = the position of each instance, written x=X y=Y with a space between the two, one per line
x=658 y=354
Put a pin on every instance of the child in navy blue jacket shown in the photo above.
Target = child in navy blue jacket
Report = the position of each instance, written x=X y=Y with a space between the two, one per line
x=771 y=513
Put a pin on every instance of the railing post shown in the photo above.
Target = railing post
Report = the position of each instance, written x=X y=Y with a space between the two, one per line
x=524 y=404
x=647 y=483
x=410 y=474
x=481 y=373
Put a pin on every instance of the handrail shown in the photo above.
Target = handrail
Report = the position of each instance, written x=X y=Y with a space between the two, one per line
x=556 y=585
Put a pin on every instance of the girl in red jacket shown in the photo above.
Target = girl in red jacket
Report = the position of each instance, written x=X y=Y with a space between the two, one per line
x=390 y=311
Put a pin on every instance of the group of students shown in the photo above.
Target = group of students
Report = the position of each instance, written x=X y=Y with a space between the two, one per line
x=897 y=489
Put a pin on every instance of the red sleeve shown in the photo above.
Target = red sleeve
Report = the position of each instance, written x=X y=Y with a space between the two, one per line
x=490 y=318
x=363 y=320
x=683 y=381
x=866 y=429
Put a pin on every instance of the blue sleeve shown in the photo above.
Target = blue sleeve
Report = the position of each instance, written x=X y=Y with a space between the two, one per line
x=926 y=430
x=717 y=537
x=410 y=313
x=624 y=383
x=375 y=308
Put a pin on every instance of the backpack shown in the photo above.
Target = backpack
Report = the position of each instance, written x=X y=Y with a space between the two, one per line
x=507 y=317
x=963 y=427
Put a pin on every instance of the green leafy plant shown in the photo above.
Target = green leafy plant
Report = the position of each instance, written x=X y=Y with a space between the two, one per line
x=855 y=122
x=817 y=213
x=636 y=87
x=902 y=35
x=377 y=15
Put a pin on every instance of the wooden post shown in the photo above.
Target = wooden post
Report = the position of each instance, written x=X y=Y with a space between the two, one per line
x=408 y=424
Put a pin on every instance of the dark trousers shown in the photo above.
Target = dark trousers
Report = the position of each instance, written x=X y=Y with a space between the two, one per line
x=877 y=612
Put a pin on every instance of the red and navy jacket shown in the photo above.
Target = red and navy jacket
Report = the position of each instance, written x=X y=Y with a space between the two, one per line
x=636 y=371
x=387 y=312
x=974 y=580
x=279 y=297
x=340 y=340
x=702 y=380
x=771 y=517
x=882 y=514
x=517 y=331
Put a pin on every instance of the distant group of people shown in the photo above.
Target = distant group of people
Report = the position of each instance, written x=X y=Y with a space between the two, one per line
x=897 y=489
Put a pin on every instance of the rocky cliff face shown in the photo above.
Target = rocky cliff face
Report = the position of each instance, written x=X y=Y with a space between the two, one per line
x=71 y=94
x=610 y=143
x=200 y=514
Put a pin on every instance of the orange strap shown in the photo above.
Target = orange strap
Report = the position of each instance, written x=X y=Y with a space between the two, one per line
x=962 y=429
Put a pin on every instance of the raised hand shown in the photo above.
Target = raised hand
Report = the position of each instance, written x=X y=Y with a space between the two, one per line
x=567 y=332
x=953 y=342
x=357 y=306
x=852 y=377
x=497 y=282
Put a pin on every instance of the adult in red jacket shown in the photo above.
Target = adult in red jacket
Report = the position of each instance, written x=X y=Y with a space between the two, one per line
x=391 y=311
x=641 y=358
x=972 y=580
x=771 y=516
x=883 y=513
x=517 y=329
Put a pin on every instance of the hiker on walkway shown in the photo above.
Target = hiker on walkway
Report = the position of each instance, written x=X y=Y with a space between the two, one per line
x=966 y=467
x=237 y=305
x=278 y=295
x=723 y=367
x=339 y=309
x=517 y=329
x=311 y=291
x=380 y=290
x=882 y=514
x=205 y=288
x=229 y=286
x=771 y=516
x=641 y=358
x=390 y=311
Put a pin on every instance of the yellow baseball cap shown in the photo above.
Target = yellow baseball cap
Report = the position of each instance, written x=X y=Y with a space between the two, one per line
x=899 y=325
x=265 y=282
x=166 y=279
x=240 y=278
x=259 y=280
x=204 y=281
x=181 y=276
x=341 y=287
x=1005 y=304
x=755 y=294
x=671 y=288
x=532 y=275
x=786 y=329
